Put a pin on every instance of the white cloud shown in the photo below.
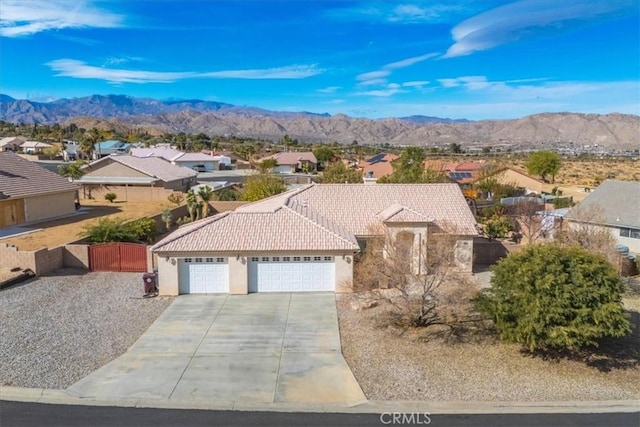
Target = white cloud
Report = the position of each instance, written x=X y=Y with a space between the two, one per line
x=373 y=75
x=80 y=70
x=525 y=18
x=23 y=18
x=288 y=72
x=390 y=90
x=330 y=89
x=409 y=61
x=393 y=13
x=416 y=83
x=117 y=60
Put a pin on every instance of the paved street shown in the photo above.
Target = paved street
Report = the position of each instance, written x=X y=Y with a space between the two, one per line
x=259 y=348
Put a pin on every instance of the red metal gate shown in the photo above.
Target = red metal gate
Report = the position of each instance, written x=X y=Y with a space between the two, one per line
x=118 y=257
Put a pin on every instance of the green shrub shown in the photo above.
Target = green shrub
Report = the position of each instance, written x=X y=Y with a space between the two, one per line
x=110 y=197
x=547 y=296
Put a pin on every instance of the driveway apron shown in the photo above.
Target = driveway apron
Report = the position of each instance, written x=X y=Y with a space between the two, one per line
x=259 y=348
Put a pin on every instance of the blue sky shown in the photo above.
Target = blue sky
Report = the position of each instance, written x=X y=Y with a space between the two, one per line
x=470 y=59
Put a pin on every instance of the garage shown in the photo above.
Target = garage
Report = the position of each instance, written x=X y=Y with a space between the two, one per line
x=299 y=273
x=204 y=275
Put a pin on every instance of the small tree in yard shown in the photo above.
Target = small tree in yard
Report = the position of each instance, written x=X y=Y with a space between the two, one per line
x=111 y=197
x=424 y=278
x=261 y=186
x=167 y=218
x=176 y=198
x=548 y=296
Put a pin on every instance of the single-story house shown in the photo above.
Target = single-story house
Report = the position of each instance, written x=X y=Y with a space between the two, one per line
x=199 y=162
x=377 y=166
x=292 y=162
x=133 y=177
x=11 y=143
x=34 y=147
x=305 y=239
x=519 y=178
x=30 y=193
x=615 y=206
x=109 y=147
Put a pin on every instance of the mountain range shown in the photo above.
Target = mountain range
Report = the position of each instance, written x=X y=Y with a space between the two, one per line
x=611 y=131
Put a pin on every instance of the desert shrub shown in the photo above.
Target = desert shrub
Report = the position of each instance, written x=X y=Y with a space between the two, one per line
x=553 y=297
x=111 y=197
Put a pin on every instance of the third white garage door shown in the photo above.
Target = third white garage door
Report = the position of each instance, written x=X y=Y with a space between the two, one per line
x=291 y=274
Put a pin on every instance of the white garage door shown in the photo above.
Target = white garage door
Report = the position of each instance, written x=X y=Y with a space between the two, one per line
x=291 y=274
x=204 y=275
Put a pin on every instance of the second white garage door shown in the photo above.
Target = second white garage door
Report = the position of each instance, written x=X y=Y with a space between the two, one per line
x=291 y=274
x=204 y=275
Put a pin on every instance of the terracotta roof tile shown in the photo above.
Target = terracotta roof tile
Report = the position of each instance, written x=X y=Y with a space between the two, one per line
x=153 y=166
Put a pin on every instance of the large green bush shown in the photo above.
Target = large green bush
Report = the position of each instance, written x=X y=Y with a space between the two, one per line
x=548 y=296
x=106 y=230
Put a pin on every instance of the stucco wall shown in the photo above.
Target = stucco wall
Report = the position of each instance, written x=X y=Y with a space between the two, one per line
x=632 y=244
x=128 y=193
x=49 y=206
x=168 y=271
x=210 y=165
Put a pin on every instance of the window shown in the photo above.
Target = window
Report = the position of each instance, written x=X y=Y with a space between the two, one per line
x=328 y=258
x=198 y=259
x=254 y=258
x=188 y=260
x=276 y=258
x=307 y=258
x=286 y=258
x=296 y=258
x=208 y=260
x=219 y=259
x=635 y=234
x=265 y=259
x=317 y=258
x=625 y=232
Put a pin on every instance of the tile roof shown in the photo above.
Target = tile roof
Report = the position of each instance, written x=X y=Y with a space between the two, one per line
x=195 y=157
x=378 y=166
x=617 y=202
x=13 y=140
x=354 y=206
x=323 y=217
x=166 y=153
x=152 y=166
x=293 y=158
x=35 y=144
x=22 y=178
x=285 y=229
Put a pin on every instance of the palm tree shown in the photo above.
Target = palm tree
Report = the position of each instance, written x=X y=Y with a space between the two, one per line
x=206 y=194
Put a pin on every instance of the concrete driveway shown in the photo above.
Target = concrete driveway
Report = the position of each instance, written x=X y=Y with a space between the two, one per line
x=259 y=348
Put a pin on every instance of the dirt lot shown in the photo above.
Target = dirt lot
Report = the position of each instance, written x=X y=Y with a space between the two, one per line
x=391 y=364
x=65 y=230
x=586 y=173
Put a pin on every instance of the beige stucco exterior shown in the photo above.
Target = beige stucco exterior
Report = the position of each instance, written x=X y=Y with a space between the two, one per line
x=43 y=207
x=512 y=177
x=632 y=243
x=169 y=275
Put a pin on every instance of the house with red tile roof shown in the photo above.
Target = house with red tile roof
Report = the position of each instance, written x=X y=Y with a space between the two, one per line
x=30 y=193
x=305 y=239
x=378 y=166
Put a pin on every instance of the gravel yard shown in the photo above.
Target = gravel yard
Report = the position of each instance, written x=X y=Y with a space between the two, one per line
x=390 y=366
x=57 y=329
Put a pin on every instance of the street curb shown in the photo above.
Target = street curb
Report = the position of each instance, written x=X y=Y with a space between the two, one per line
x=62 y=397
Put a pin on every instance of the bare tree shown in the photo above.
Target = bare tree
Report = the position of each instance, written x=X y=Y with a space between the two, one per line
x=418 y=274
x=527 y=221
x=584 y=231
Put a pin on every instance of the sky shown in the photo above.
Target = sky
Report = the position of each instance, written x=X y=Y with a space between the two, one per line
x=472 y=59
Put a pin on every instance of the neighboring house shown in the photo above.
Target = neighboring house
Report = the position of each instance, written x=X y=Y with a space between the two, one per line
x=11 y=143
x=34 y=147
x=199 y=162
x=614 y=205
x=466 y=172
x=30 y=193
x=71 y=151
x=293 y=162
x=132 y=178
x=305 y=239
x=377 y=166
x=519 y=178
x=107 y=148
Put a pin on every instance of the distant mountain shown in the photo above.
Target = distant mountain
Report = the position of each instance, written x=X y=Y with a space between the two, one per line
x=611 y=131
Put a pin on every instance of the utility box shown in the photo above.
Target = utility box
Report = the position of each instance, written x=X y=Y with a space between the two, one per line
x=150 y=284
